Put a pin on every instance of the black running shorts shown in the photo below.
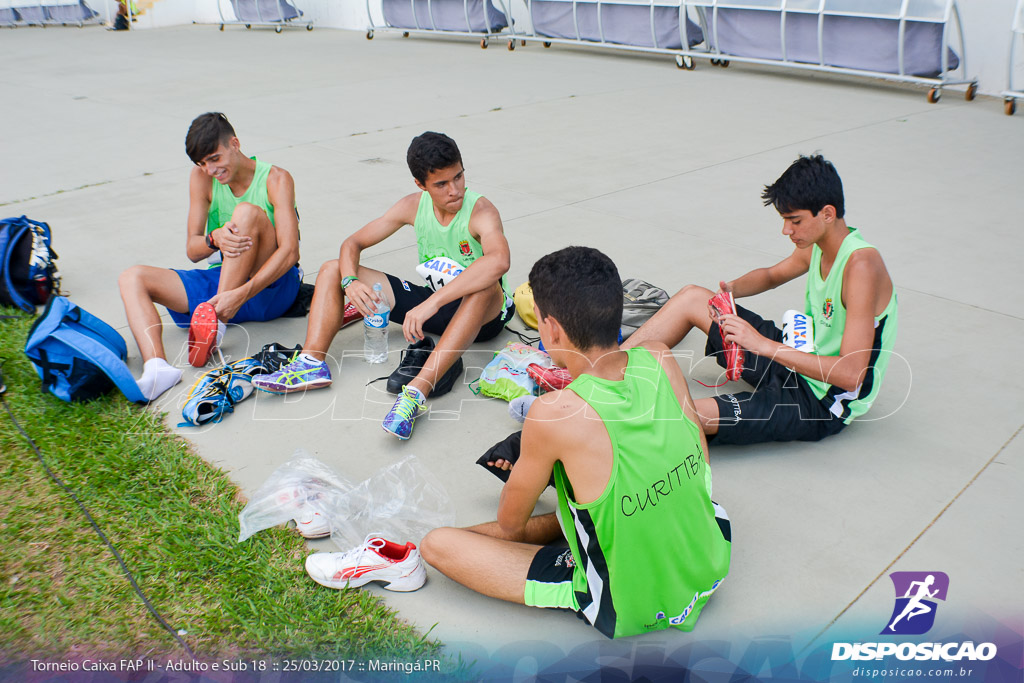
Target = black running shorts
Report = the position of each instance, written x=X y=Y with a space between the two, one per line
x=408 y=296
x=782 y=407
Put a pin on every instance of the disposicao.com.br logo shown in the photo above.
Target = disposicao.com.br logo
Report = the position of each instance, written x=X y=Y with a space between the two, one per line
x=914 y=613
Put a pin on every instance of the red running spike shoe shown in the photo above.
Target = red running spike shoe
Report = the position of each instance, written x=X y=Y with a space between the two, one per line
x=549 y=379
x=724 y=304
x=202 y=334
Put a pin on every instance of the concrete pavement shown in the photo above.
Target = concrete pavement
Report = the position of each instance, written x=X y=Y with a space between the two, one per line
x=660 y=168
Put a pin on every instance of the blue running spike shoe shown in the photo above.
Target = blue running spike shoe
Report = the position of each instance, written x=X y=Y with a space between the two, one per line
x=410 y=405
x=216 y=392
x=302 y=373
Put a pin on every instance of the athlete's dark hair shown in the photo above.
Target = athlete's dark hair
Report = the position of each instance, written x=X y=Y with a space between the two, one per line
x=206 y=132
x=581 y=288
x=429 y=152
x=809 y=183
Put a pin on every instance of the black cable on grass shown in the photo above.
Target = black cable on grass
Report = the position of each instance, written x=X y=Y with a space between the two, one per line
x=99 y=532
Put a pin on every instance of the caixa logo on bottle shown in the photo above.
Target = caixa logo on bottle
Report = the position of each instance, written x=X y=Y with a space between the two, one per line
x=376 y=320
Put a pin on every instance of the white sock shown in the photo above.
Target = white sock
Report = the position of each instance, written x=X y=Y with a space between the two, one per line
x=309 y=359
x=157 y=377
x=221 y=329
x=518 y=407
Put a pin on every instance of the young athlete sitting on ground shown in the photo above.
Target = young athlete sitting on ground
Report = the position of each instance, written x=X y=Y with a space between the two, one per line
x=637 y=545
x=850 y=299
x=470 y=303
x=241 y=217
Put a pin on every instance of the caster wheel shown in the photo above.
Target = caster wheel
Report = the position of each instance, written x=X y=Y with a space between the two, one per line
x=971 y=92
x=1010 y=106
x=934 y=94
x=277 y=29
x=369 y=34
x=547 y=44
x=222 y=27
x=405 y=34
x=522 y=43
x=309 y=27
x=685 y=62
x=714 y=61
x=248 y=25
x=511 y=45
x=483 y=43
x=724 y=64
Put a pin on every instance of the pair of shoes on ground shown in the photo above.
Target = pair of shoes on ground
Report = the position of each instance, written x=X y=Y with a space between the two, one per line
x=215 y=393
x=398 y=567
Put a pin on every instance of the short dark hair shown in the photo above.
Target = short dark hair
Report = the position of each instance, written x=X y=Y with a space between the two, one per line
x=581 y=288
x=809 y=183
x=429 y=152
x=206 y=132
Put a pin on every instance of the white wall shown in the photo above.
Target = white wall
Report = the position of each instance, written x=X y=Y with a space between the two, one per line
x=986 y=28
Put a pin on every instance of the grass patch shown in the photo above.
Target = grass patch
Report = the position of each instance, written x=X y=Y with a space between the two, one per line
x=173 y=517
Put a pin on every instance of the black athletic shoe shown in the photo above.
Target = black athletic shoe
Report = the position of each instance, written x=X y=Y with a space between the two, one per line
x=413 y=359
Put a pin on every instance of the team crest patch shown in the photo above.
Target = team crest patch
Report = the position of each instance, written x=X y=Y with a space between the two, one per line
x=826 y=309
x=465 y=248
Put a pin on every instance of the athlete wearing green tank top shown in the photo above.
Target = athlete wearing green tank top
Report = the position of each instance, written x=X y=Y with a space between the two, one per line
x=242 y=218
x=637 y=544
x=850 y=300
x=463 y=258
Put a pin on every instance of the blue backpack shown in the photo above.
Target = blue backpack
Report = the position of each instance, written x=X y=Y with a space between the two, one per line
x=77 y=355
x=28 y=272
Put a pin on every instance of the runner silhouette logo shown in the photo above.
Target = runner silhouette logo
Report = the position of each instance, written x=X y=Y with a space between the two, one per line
x=916 y=596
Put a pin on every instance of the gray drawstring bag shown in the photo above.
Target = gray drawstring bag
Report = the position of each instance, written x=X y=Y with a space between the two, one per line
x=641 y=300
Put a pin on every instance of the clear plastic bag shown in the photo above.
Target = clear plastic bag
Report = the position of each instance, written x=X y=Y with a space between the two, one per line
x=401 y=502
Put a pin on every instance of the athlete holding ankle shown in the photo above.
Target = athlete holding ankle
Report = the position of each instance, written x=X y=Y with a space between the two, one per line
x=464 y=257
x=850 y=299
x=242 y=219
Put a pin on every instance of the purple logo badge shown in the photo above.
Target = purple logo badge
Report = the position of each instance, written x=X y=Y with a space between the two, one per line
x=916 y=595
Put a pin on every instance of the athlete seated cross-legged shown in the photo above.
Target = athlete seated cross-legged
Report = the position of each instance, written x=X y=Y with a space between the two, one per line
x=242 y=219
x=464 y=257
x=851 y=305
x=637 y=544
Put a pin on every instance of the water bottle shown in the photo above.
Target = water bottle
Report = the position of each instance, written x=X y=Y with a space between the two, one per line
x=375 y=330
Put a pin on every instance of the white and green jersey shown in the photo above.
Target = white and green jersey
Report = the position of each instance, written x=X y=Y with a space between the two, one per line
x=824 y=305
x=651 y=550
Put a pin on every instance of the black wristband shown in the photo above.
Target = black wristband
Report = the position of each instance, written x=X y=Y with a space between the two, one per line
x=209 y=241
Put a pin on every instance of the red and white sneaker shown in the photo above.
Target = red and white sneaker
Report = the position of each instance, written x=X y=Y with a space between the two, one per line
x=310 y=522
x=549 y=379
x=398 y=567
x=725 y=304
x=352 y=315
x=202 y=334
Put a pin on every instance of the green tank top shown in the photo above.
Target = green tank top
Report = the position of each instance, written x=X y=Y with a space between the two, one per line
x=223 y=201
x=649 y=551
x=824 y=304
x=453 y=240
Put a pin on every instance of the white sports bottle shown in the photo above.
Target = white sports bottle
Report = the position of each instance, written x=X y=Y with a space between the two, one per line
x=375 y=330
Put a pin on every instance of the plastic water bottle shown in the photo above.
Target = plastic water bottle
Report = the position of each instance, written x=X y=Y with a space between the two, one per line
x=375 y=330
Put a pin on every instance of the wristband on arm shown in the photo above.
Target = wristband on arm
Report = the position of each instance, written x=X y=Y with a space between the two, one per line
x=209 y=241
x=347 y=280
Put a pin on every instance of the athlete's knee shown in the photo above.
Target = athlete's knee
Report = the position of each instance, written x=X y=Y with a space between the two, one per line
x=248 y=218
x=436 y=545
x=132 y=280
x=329 y=274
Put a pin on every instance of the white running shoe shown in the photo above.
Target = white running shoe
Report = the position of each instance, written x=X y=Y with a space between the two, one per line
x=309 y=522
x=398 y=567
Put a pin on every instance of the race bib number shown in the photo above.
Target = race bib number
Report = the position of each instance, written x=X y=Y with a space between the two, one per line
x=439 y=271
x=798 y=331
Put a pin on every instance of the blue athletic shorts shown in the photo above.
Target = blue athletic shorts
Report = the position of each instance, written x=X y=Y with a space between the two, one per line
x=272 y=302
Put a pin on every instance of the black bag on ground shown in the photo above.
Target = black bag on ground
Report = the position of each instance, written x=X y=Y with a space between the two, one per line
x=28 y=272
